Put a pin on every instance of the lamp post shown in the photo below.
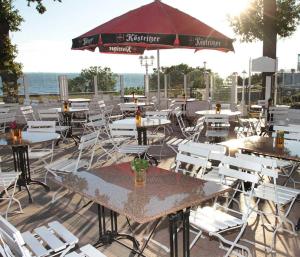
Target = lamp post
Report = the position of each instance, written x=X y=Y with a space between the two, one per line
x=146 y=61
x=243 y=94
x=206 y=82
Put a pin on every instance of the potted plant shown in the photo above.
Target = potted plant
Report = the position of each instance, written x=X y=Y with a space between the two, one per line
x=139 y=166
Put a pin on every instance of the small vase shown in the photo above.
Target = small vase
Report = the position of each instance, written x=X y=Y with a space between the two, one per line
x=15 y=133
x=140 y=177
x=280 y=139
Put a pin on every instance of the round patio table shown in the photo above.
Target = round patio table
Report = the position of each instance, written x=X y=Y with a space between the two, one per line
x=79 y=100
x=142 y=129
x=20 y=148
x=67 y=121
x=225 y=112
x=138 y=104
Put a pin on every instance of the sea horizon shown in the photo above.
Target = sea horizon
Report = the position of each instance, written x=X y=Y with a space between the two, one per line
x=44 y=83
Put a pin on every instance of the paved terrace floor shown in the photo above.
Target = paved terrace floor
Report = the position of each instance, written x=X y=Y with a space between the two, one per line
x=83 y=221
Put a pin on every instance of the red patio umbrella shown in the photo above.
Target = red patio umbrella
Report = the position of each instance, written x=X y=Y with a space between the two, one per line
x=149 y=27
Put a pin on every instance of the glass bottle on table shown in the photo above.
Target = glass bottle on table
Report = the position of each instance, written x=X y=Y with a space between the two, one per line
x=138 y=116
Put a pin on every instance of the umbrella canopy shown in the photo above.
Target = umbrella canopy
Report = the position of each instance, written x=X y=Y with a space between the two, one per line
x=152 y=26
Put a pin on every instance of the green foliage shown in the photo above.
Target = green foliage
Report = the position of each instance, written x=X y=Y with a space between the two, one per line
x=175 y=75
x=139 y=164
x=85 y=81
x=10 y=21
x=249 y=24
x=136 y=90
x=40 y=7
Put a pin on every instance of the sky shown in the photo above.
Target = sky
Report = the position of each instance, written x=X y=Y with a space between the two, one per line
x=44 y=42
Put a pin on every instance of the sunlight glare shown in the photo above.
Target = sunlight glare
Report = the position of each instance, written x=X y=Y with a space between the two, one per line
x=233 y=7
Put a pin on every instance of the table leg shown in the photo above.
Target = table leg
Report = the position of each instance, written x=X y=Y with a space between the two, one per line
x=298 y=225
x=67 y=118
x=108 y=236
x=21 y=164
x=142 y=140
x=174 y=219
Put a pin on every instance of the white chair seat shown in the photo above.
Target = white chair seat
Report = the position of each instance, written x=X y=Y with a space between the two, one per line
x=217 y=133
x=66 y=165
x=86 y=251
x=214 y=176
x=51 y=240
x=213 y=220
x=133 y=149
x=39 y=153
x=284 y=194
x=61 y=128
x=7 y=178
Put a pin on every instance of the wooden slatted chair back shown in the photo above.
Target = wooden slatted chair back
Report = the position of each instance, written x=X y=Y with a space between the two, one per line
x=158 y=114
x=128 y=107
x=41 y=126
x=87 y=142
x=216 y=152
x=13 y=239
x=294 y=116
x=216 y=118
x=123 y=130
x=193 y=155
x=27 y=112
x=278 y=115
x=223 y=106
x=226 y=169
x=48 y=114
x=83 y=105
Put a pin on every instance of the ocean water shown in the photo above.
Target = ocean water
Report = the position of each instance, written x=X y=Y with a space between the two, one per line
x=47 y=83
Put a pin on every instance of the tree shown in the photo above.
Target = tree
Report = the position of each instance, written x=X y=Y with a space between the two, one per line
x=264 y=20
x=85 y=81
x=10 y=21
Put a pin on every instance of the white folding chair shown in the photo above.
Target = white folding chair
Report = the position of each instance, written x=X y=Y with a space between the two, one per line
x=8 y=179
x=218 y=220
x=6 y=117
x=51 y=240
x=216 y=154
x=50 y=115
x=278 y=116
x=87 y=145
x=281 y=196
x=128 y=109
x=121 y=134
x=28 y=113
x=217 y=125
x=191 y=159
x=41 y=154
x=191 y=133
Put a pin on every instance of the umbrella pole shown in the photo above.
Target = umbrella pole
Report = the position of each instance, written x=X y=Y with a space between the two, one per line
x=158 y=79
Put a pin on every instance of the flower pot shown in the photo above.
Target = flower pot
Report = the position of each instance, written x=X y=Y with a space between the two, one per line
x=140 y=177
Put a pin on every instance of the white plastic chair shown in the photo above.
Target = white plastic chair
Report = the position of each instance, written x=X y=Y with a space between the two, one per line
x=28 y=113
x=53 y=240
